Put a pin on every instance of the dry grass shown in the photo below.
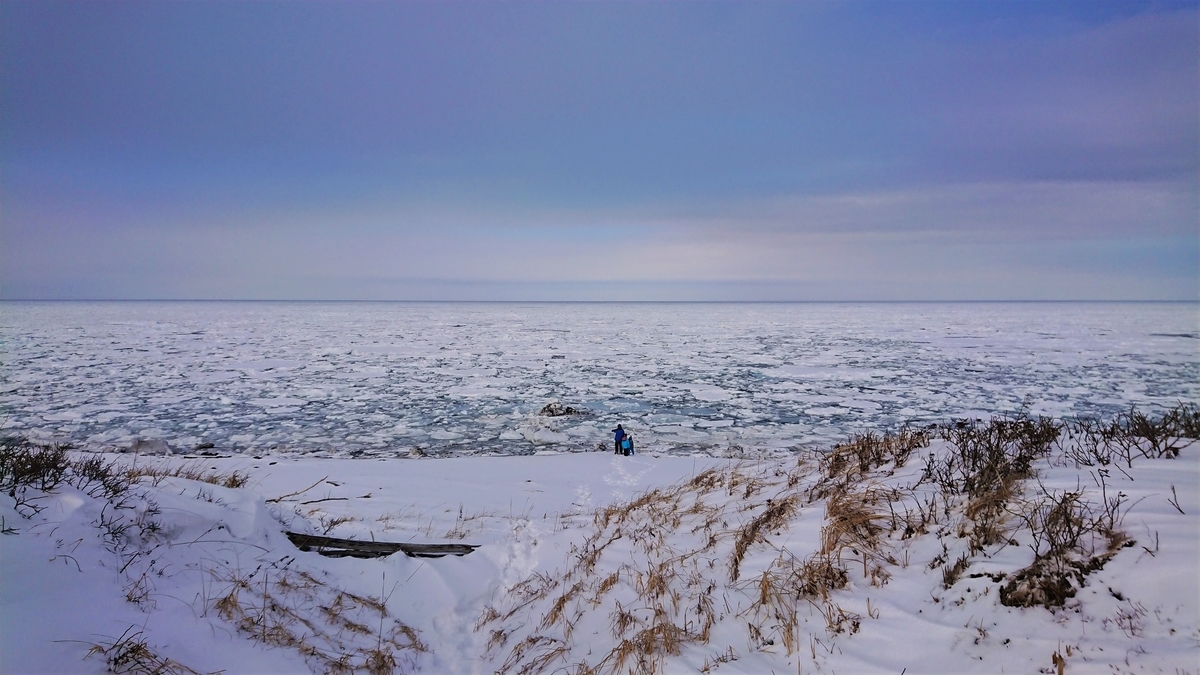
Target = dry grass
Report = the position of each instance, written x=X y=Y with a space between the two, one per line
x=653 y=608
x=775 y=516
x=852 y=519
x=952 y=573
x=333 y=629
x=190 y=471
x=669 y=598
x=130 y=654
x=533 y=655
x=667 y=566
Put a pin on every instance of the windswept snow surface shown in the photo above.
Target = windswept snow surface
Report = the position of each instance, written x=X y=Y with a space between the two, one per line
x=66 y=586
x=340 y=379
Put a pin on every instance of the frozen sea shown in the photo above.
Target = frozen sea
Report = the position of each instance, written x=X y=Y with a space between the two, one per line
x=380 y=379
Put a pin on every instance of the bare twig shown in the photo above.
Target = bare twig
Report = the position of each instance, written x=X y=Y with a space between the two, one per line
x=276 y=500
x=1174 y=500
x=327 y=499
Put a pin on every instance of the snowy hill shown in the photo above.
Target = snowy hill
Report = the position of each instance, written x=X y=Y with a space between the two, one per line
x=1019 y=545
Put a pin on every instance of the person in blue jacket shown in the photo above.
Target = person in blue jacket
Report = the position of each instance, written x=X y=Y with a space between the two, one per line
x=627 y=445
x=618 y=436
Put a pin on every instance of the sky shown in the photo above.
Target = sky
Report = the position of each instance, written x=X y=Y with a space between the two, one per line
x=989 y=150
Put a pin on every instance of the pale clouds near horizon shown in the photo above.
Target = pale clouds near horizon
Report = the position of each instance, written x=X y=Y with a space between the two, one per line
x=936 y=244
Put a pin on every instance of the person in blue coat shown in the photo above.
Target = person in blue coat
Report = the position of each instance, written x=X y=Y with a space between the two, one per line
x=627 y=445
x=618 y=436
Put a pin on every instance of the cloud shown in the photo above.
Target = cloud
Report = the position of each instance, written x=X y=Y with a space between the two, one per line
x=1006 y=211
x=731 y=151
x=1110 y=101
x=979 y=241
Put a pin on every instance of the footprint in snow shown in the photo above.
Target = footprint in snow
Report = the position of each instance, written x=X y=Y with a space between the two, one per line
x=627 y=472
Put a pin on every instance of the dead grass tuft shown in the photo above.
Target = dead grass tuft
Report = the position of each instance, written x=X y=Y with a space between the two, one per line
x=778 y=512
x=334 y=630
x=130 y=654
x=190 y=471
x=851 y=519
x=952 y=573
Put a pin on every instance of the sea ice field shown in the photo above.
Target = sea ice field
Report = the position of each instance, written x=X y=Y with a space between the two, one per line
x=380 y=379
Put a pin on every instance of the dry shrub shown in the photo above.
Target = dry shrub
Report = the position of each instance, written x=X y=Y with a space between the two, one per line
x=1136 y=433
x=985 y=456
x=29 y=470
x=986 y=513
x=870 y=450
x=1131 y=435
x=1065 y=531
x=24 y=464
x=1184 y=420
x=985 y=465
x=1090 y=443
x=1039 y=584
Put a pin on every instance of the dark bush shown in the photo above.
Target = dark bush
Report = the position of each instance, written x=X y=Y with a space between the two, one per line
x=24 y=464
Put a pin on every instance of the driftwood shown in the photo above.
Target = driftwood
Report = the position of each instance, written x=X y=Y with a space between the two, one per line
x=340 y=548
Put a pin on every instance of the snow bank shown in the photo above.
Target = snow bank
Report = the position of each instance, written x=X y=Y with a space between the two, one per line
x=581 y=554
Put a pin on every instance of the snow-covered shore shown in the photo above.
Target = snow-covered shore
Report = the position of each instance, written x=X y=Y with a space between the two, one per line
x=582 y=553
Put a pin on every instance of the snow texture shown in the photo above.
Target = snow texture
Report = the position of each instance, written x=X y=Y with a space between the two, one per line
x=68 y=586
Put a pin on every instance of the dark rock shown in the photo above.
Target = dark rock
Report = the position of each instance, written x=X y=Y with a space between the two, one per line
x=151 y=446
x=556 y=409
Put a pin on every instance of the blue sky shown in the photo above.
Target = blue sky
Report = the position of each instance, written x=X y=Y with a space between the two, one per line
x=600 y=151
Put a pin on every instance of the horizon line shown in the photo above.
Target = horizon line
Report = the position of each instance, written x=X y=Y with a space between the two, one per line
x=548 y=302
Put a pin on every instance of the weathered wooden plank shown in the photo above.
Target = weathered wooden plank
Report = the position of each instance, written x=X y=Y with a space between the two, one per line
x=338 y=548
x=436 y=550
